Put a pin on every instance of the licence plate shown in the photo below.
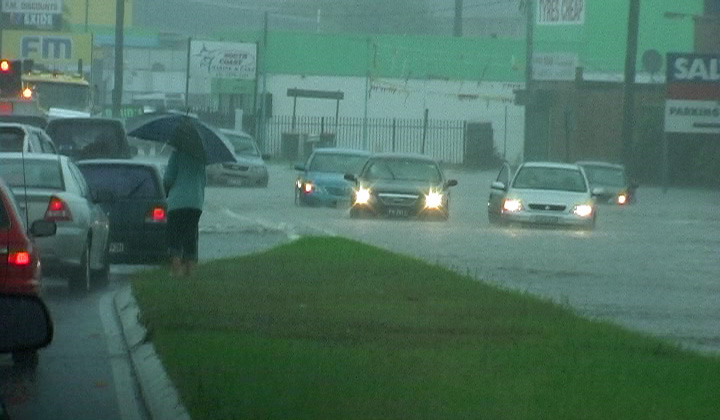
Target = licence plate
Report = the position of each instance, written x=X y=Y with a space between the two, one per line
x=236 y=181
x=397 y=212
x=546 y=219
x=117 y=247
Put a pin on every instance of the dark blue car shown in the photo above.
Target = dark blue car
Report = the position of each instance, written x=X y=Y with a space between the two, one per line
x=134 y=198
x=321 y=181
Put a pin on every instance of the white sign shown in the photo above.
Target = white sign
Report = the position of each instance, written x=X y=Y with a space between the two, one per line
x=554 y=66
x=223 y=60
x=53 y=7
x=683 y=116
x=560 y=12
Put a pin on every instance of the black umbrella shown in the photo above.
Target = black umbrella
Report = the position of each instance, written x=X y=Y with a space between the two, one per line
x=184 y=132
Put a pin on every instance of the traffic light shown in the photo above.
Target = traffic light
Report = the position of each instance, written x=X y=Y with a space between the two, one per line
x=10 y=78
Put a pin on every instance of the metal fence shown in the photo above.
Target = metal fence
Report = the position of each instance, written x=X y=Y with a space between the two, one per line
x=441 y=139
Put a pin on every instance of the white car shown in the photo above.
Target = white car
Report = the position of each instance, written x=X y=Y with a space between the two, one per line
x=52 y=188
x=17 y=137
x=543 y=193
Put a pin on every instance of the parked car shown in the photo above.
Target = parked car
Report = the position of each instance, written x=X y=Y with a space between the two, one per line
x=136 y=206
x=543 y=193
x=617 y=188
x=20 y=270
x=321 y=180
x=249 y=170
x=17 y=137
x=401 y=185
x=52 y=188
x=89 y=137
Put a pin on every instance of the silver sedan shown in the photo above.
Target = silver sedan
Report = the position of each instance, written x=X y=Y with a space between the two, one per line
x=543 y=193
x=51 y=187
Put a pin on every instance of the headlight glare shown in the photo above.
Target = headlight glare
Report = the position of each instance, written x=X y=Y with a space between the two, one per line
x=362 y=196
x=583 y=210
x=512 y=205
x=622 y=199
x=433 y=200
x=308 y=187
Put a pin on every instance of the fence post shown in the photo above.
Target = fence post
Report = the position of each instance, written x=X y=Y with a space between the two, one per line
x=394 y=133
x=424 y=133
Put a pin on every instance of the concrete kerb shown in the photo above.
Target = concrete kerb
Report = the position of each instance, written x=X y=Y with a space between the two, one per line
x=158 y=392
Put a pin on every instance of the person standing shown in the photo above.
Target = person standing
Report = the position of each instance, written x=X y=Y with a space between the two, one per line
x=184 y=180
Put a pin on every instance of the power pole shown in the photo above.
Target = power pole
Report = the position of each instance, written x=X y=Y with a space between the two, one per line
x=529 y=88
x=628 y=122
x=457 y=28
x=119 y=27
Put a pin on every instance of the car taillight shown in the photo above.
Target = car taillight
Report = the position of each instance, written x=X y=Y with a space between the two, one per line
x=58 y=211
x=19 y=258
x=156 y=215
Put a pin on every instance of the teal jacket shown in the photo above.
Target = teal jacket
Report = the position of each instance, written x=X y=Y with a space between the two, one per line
x=185 y=180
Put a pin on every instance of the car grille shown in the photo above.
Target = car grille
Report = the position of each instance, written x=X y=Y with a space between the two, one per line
x=398 y=199
x=235 y=167
x=547 y=207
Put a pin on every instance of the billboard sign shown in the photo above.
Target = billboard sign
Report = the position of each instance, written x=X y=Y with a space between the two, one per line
x=223 y=60
x=54 y=50
x=560 y=12
x=554 y=66
x=52 y=7
x=31 y=14
x=692 y=102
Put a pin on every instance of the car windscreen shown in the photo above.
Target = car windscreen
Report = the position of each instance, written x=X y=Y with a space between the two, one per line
x=602 y=175
x=33 y=173
x=546 y=178
x=337 y=163
x=124 y=181
x=11 y=139
x=403 y=169
x=88 y=139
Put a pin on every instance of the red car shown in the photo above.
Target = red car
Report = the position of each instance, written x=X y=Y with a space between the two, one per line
x=19 y=260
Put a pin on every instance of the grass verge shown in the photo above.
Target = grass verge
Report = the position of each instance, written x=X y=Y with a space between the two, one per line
x=328 y=328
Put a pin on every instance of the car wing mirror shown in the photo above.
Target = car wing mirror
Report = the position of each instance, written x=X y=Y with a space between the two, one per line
x=451 y=183
x=43 y=228
x=299 y=167
x=350 y=177
x=25 y=323
x=497 y=185
x=266 y=156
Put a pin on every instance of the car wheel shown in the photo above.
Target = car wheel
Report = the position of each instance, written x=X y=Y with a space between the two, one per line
x=26 y=358
x=102 y=276
x=80 y=279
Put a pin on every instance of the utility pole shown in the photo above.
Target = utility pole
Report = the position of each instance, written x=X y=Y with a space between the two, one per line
x=262 y=121
x=119 y=45
x=628 y=122
x=457 y=28
x=529 y=88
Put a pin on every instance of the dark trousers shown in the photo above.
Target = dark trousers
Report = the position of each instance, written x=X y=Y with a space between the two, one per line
x=182 y=233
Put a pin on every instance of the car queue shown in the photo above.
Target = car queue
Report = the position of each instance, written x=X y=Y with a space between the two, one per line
x=71 y=208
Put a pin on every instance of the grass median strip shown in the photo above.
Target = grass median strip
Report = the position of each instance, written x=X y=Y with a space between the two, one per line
x=328 y=328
